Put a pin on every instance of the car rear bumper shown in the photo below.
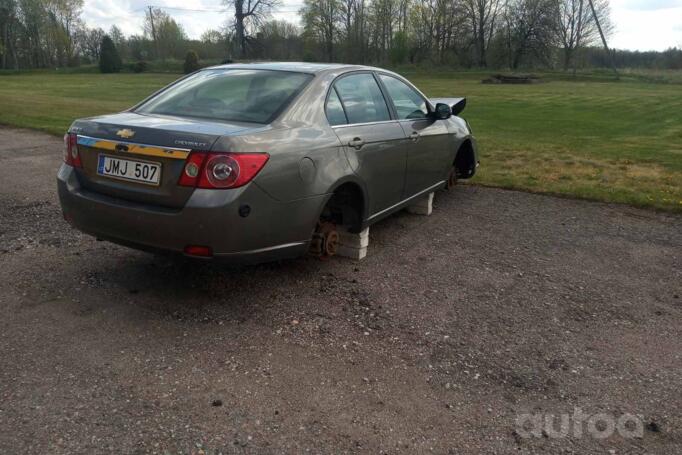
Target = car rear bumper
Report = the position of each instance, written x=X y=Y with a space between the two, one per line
x=272 y=229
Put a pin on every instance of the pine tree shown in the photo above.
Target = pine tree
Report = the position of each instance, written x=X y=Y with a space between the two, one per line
x=109 y=60
x=191 y=62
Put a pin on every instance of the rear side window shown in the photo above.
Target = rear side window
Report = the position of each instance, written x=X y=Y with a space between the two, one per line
x=241 y=95
x=408 y=103
x=335 y=113
x=362 y=99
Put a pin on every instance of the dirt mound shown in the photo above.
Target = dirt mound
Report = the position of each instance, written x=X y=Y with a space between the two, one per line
x=512 y=79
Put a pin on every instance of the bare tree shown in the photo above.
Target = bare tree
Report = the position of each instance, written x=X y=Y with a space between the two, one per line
x=361 y=41
x=577 y=28
x=8 y=36
x=383 y=15
x=321 y=20
x=422 y=22
x=347 y=18
x=403 y=14
x=280 y=40
x=495 y=33
x=483 y=16
x=529 y=28
x=166 y=33
x=151 y=19
x=89 y=42
x=65 y=19
x=451 y=27
x=248 y=13
x=212 y=37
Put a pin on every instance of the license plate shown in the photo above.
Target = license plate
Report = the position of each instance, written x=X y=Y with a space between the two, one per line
x=133 y=170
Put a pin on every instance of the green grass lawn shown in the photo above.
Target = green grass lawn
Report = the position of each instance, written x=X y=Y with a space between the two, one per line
x=590 y=138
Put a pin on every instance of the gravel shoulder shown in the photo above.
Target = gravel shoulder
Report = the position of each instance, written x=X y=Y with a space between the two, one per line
x=499 y=304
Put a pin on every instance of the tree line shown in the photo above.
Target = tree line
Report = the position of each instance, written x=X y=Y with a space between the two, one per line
x=513 y=34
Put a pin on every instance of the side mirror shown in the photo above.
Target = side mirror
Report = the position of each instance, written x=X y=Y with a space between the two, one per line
x=442 y=111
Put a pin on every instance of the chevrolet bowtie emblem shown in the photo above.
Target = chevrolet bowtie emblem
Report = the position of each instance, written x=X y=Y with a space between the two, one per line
x=125 y=133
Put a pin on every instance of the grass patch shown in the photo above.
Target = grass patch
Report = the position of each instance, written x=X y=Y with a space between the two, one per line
x=50 y=102
x=587 y=137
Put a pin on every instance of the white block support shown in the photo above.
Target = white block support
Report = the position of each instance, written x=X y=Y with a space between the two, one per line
x=422 y=205
x=353 y=245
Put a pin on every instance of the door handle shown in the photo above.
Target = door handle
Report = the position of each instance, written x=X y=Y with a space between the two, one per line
x=414 y=137
x=356 y=143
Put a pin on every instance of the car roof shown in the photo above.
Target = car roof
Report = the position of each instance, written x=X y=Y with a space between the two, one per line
x=303 y=67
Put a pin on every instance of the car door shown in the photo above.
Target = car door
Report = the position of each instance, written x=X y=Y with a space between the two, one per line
x=429 y=149
x=374 y=141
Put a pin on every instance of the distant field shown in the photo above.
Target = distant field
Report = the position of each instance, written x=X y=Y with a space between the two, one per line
x=590 y=138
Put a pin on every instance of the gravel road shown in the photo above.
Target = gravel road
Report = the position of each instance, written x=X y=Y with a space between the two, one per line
x=443 y=340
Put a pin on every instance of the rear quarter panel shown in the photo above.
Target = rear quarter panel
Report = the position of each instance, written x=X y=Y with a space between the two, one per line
x=305 y=161
x=306 y=157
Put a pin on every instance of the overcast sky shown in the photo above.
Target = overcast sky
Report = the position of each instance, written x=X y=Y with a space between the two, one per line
x=640 y=24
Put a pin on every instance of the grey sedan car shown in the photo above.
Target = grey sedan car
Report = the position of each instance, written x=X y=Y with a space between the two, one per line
x=263 y=161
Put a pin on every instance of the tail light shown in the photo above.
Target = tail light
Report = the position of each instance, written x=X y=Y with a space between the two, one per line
x=71 y=156
x=221 y=170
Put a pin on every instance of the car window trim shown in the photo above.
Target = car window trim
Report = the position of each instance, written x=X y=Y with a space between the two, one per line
x=332 y=86
x=343 y=107
x=387 y=97
x=290 y=100
x=364 y=123
x=411 y=87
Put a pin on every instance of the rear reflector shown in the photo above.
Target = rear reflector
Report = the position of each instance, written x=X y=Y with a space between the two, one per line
x=71 y=155
x=198 y=250
x=221 y=170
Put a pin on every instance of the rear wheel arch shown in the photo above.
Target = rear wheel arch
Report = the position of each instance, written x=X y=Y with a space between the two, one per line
x=346 y=205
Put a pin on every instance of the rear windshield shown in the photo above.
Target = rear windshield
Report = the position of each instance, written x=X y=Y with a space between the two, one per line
x=240 y=95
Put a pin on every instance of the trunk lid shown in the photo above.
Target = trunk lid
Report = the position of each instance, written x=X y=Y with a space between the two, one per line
x=155 y=140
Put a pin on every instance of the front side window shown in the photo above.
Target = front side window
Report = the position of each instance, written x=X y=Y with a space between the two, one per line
x=362 y=98
x=241 y=95
x=408 y=103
